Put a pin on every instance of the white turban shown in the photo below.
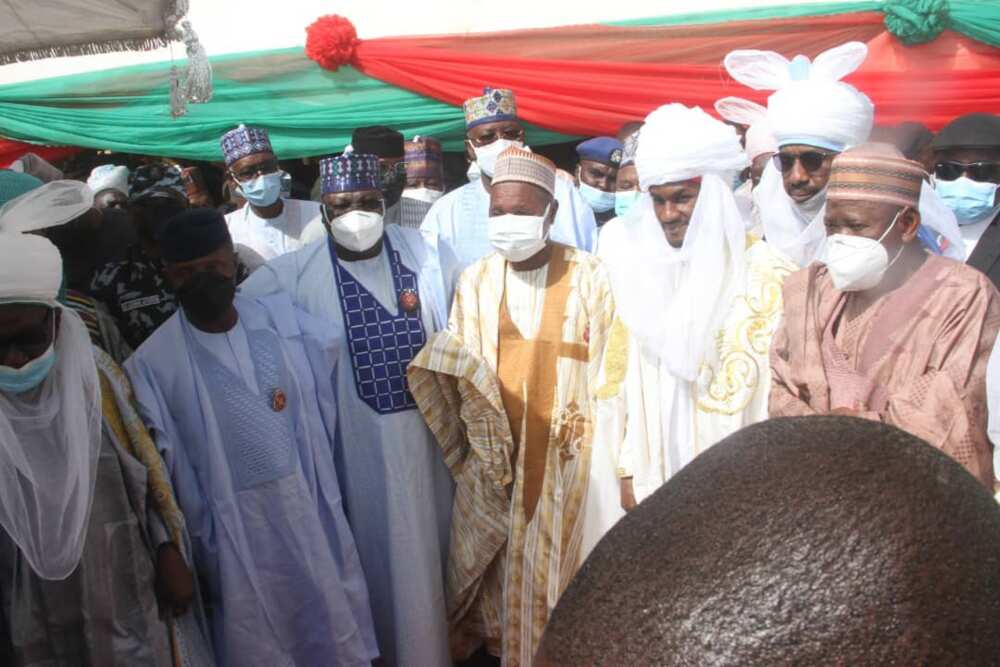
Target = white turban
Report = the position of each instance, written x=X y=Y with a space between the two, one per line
x=759 y=138
x=678 y=143
x=50 y=205
x=810 y=105
x=109 y=177
x=30 y=269
x=672 y=299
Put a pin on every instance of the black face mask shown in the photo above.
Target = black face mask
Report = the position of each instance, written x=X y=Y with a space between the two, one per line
x=206 y=295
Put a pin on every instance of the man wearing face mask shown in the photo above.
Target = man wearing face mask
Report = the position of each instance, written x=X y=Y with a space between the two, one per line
x=109 y=184
x=267 y=224
x=92 y=546
x=388 y=146
x=236 y=392
x=881 y=329
x=627 y=190
x=384 y=290
x=507 y=390
x=693 y=369
x=966 y=170
x=133 y=289
x=424 y=180
x=813 y=116
x=461 y=217
x=596 y=175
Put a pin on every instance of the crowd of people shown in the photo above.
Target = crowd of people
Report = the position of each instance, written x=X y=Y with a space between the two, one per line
x=368 y=421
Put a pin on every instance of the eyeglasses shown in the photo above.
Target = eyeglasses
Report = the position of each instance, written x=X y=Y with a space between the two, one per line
x=487 y=138
x=984 y=172
x=260 y=169
x=810 y=160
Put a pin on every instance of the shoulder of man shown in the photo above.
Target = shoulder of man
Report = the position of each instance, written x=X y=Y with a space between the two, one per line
x=961 y=277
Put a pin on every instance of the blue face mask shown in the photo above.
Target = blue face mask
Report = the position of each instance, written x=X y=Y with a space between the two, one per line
x=970 y=200
x=624 y=200
x=599 y=200
x=263 y=190
x=29 y=376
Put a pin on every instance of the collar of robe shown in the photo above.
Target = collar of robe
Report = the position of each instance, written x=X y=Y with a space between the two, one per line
x=348 y=255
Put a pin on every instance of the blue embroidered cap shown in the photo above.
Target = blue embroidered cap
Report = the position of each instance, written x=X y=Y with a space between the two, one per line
x=494 y=105
x=349 y=172
x=606 y=150
x=242 y=141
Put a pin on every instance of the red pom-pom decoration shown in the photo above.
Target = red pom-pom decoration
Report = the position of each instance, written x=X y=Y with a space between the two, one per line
x=332 y=41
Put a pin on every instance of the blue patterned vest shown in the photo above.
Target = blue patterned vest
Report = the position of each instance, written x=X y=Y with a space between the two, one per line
x=381 y=344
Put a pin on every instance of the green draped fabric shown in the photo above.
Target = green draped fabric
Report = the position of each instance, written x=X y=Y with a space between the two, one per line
x=308 y=110
x=751 y=14
x=912 y=21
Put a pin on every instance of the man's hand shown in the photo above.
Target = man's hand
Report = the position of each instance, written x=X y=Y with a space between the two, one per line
x=845 y=412
x=628 y=494
x=174 y=581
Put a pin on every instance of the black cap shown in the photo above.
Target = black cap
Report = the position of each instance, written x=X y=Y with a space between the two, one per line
x=193 y=234
x=379 y=140
x=974 y=130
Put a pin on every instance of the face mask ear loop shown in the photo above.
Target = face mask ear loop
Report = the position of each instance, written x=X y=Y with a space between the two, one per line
x=900 y=251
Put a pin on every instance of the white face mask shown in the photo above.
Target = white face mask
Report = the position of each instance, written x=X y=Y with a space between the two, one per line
x=518 y=237
x=856 y=263
x=486 y=156
x=425 y=195
x=357 y=230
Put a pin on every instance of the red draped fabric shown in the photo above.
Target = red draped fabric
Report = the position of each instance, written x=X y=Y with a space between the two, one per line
x=12 y=150
x=588 y=80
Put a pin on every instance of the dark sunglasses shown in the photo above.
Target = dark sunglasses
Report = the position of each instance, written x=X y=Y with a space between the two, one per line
x=984 y=172
x=810 y=160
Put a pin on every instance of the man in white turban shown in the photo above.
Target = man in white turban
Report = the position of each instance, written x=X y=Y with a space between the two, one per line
x=109 y=183
x=814 y=116
x=759 y=144
x=699 y=301
x=91 y=541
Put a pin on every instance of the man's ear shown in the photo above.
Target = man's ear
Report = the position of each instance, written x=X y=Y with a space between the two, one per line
x=909 y=220
x=553 y=211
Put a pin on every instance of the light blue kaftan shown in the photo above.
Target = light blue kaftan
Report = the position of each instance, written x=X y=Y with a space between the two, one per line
x=244 y=421
x=397 y=489
x=462 y=217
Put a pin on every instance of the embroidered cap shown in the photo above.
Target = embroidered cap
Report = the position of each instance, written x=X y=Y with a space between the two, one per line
x=424 y=158
x=522 y=166
x=606 y=150
x=243 y=141
x=349 y=172
x=876 y=172
x=494 y=105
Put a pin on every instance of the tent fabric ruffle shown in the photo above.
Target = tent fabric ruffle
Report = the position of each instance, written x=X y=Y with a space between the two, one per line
x=572 y=81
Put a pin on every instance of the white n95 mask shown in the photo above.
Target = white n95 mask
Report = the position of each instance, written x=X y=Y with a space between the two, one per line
x=856 y=263
x=518 y=237
x=486 y=156
x=426 y=195
x=357 y=230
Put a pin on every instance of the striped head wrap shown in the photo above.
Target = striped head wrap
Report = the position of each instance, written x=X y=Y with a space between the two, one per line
x=522 y=166
x=424 y=158
x=878 y=173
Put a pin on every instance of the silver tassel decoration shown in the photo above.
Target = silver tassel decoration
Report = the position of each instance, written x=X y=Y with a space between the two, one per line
x=194 y=84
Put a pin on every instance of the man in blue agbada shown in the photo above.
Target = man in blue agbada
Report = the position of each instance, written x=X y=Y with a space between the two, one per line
x=384 y=290
x=237 y=393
